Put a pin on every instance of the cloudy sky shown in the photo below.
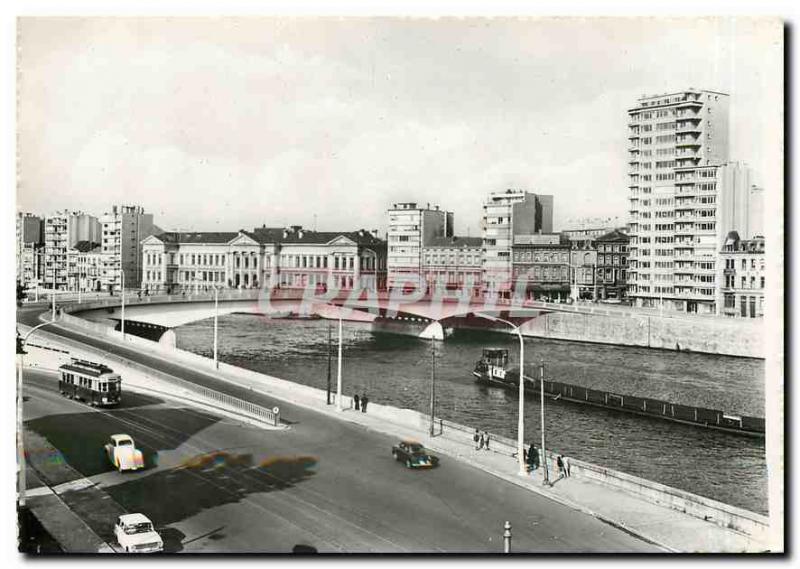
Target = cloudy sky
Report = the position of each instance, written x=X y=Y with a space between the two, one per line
x=216 y=124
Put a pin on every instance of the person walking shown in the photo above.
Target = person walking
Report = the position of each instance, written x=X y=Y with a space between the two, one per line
x=566 y=466
x=486 y=439
x=481 y=442
x=364 y=401
x=533 y=458
x=560 y=467
x=476 y=437
x=355 y=401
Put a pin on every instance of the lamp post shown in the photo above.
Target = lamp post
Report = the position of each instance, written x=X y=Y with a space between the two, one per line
x=122 y=316
x=339 y=370
x=20 y=443
x=216 y=316
x=433 y=383
x=541 y=405
x=523 y=471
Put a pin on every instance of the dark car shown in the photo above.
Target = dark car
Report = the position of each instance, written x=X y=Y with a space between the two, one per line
x=414 y=455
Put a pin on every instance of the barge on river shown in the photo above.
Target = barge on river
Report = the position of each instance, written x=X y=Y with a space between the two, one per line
x=493 y=370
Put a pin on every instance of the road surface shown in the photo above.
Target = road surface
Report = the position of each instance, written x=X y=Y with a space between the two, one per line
x=325 y=483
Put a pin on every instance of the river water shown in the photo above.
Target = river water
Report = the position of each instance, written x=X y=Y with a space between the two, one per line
x=396 y=370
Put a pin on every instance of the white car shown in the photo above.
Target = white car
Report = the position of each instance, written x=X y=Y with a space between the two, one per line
x=135 y=534
x=123 y=453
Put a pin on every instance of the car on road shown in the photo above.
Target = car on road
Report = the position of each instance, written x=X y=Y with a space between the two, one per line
x=135 y=534
x=414 y=455
x=123 y=454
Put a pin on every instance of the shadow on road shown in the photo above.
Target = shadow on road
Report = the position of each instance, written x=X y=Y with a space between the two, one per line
x=170 y=496
x=80 y=437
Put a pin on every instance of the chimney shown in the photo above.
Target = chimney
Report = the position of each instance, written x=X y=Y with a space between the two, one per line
x=285 y=233
x=374 y=233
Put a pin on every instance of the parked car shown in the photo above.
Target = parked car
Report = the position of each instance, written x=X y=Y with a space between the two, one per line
x=135 y=534
x=414 y=455
x=123 y=454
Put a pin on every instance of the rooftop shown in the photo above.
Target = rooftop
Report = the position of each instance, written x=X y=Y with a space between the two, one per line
x=455 y=242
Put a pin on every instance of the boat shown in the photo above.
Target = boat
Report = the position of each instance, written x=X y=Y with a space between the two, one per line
x=493 y=370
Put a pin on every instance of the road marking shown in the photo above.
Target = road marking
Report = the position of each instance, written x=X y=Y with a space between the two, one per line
x=41 y=491
x=78 y=484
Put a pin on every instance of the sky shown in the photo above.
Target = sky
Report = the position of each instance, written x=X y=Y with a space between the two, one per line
x=226 y=124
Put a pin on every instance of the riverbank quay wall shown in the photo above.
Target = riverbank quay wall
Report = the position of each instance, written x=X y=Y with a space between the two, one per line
x=722 y=336
x=748 y=523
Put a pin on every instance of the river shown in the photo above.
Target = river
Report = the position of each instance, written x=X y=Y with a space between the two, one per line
x=396 y=370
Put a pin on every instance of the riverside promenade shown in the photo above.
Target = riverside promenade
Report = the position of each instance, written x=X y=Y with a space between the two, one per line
x=669 y=528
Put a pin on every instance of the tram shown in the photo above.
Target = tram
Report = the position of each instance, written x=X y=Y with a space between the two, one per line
x=93 y=383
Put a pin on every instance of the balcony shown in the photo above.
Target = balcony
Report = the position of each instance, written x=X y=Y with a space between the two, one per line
x=688 y=142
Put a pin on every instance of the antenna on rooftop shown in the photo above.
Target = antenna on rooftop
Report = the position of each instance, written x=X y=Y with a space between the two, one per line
x=315 y=222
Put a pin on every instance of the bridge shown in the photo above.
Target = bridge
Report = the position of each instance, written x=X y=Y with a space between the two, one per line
x=416 y=313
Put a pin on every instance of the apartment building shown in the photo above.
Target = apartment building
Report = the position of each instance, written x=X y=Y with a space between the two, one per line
x=62 y=231
x=453 y=263
x=612 y=265
x=541 y=266
x=85 y=262
x=679 y=198
x=411 y=229
x=744 y=273
x=506 y=215
x=30 y=239
x=123 y=230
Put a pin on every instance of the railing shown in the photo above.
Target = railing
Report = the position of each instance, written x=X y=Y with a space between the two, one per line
x=271 y=416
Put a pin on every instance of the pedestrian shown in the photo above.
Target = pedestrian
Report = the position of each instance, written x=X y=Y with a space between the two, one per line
x=533 y=458
x=364 y=402
x=481 y=442
x=486 y=439
x=566 y=467
x=560 y=467
x=355 y=401
x=476 y=437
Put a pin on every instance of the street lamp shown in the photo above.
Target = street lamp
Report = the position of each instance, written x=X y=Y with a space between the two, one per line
x=216 y=315
x=20 y=442
x=520 y=419
x=122 y=315
x=339 y=370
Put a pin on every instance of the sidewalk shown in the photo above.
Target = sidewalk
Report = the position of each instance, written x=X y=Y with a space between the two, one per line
x=45 y=501
x=670 y=529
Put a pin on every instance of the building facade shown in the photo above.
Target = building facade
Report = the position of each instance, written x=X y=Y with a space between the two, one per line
x=85 y=262
x=743 y=276
x=453 y=263
x=541 y=267
x=677 y=143
x=411 y=228
x=62 y=231
x=583 y=270
x=290 y=257
x=30 y=239
x=612 y=265
x=123 y=230
x=506 y=215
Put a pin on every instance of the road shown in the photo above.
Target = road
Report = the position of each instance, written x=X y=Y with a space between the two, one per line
x=329 y=484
